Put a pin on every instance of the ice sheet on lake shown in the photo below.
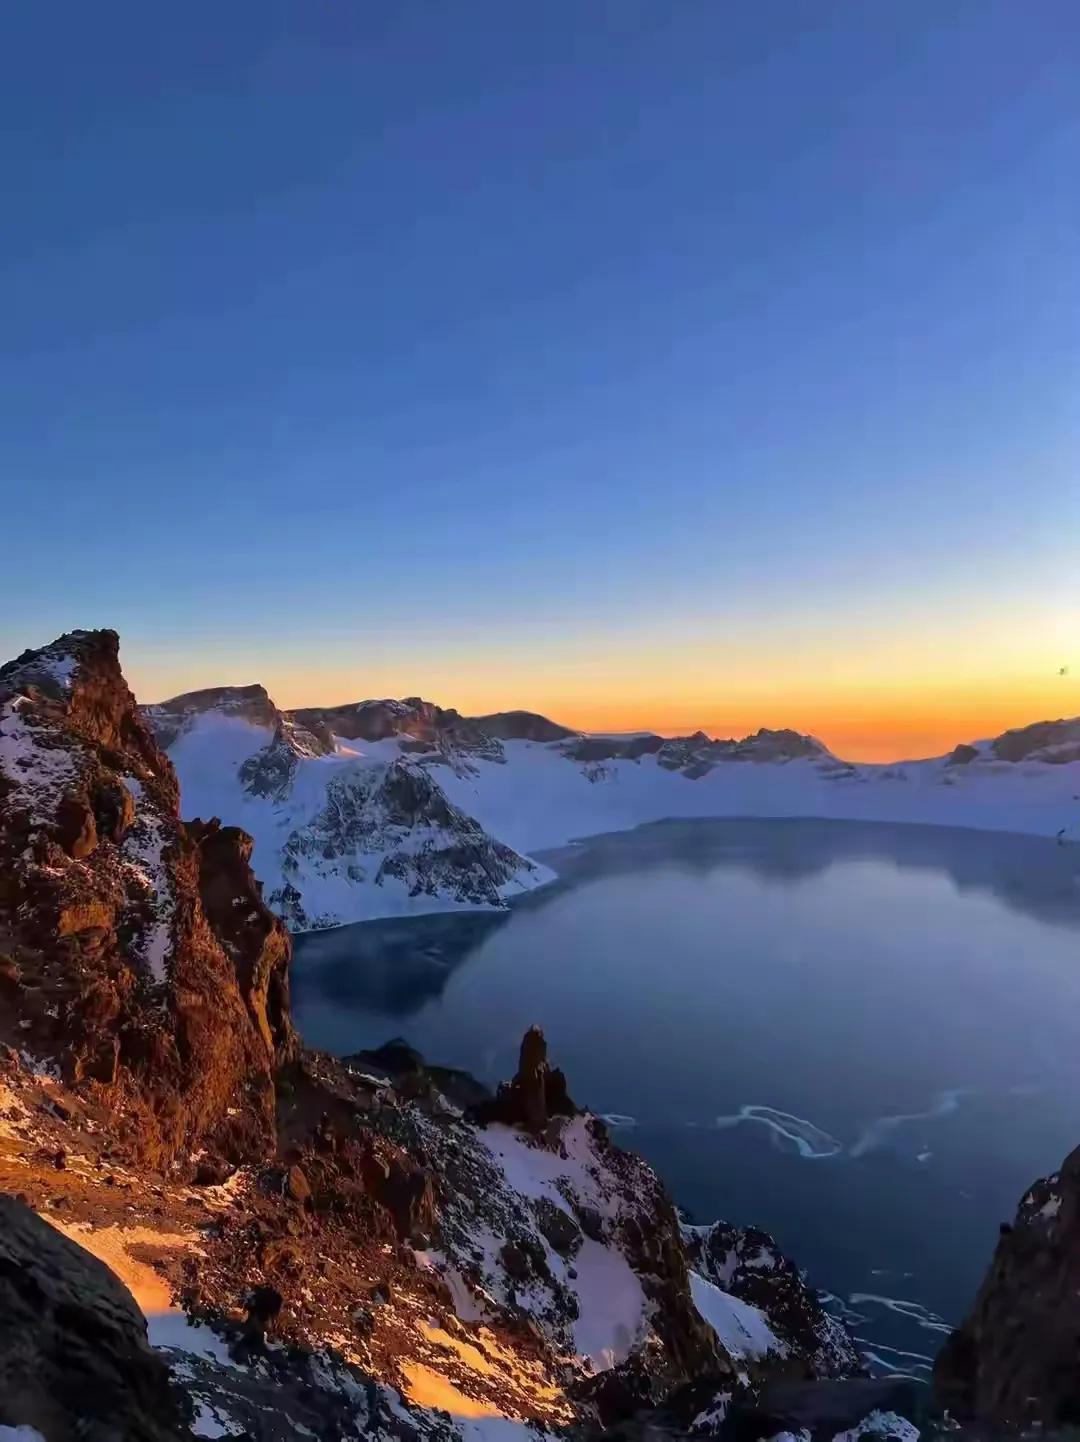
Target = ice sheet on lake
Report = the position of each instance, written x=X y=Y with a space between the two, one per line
x=809 y=1141
x=877 y=1132
x=814 y=1144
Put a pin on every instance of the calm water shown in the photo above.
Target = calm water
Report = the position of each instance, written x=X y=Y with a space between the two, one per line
x=862 y=1038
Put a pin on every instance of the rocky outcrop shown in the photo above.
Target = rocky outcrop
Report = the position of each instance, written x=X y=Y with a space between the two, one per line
x=75 y=1363
x=170 y=718
x=393 y=824
x=695 y=756
x=1054 y=742
x=270 y=773
x=537 y=1092
x=393 y=1255
x=433 y=734
x=1013 y=1362
x=118 y=975
x=248 y=931
x=379 y=720
x=749 y=1265
x=590 y=749
x=521 y=726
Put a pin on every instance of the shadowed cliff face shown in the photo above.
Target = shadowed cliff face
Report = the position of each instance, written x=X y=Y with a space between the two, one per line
x=137 y=955
x=1015 y=1361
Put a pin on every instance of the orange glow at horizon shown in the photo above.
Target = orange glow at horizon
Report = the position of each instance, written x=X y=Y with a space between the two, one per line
x=865 y=723
x=868 y=725
x=871 y=687
x=849 y=734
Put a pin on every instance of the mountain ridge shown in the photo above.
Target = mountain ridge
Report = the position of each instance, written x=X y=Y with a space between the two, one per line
x=499 y=789
x=398 y=807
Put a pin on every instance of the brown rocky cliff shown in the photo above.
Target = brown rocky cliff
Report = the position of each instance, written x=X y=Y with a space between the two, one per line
x=138 y=956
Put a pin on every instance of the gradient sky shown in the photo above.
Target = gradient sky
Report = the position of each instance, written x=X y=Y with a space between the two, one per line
x=647 y=364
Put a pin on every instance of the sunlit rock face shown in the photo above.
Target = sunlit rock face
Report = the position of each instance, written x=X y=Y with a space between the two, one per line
x=139 y=954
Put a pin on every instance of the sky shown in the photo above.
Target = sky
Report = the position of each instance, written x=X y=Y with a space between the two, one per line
x=663 y=365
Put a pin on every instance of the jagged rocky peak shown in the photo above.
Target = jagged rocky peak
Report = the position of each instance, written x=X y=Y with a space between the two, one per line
x=433 y=734
x=781 y=745
x=77 y=682
x=698 y=754
x=1054 y=742
x=411 y=1262
x=122 y=964
x=1013 y=1362
x=271 y=771
x=537 y=1092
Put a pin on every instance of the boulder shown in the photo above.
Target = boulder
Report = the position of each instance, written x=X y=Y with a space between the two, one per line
x=74 y=1359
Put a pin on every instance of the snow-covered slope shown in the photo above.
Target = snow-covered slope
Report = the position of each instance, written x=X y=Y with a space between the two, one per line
x=344 y=829
x=395 y=807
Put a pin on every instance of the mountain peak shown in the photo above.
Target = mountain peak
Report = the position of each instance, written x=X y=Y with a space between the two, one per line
x=52 y=667
x=122 y=951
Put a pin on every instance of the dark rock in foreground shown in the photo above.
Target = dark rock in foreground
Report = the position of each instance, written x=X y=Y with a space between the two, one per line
x=1015 y=1361
x=74 y=1359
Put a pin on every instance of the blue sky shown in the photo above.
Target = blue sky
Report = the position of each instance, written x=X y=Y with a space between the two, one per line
x=642 y=356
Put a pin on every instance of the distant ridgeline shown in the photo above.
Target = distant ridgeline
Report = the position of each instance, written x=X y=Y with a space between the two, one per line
x=388 y=808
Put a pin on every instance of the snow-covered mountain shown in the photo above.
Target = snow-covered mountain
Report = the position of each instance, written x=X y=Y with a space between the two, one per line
x=392 y=807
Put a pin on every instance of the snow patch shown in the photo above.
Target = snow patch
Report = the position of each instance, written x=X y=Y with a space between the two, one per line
x=611 y=1305
x=209 y=1422
x=41 y=772
x=143 y=849
x=744 y=1330
x=885 y=1424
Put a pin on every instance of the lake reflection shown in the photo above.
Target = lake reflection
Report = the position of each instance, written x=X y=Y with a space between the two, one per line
x=861 y=1037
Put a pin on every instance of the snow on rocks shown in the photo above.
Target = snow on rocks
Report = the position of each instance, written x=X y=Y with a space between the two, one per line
x=399 y=808
x=880 y=1424
x=143 y=850
x=42 y=771
x=743 y=1329
x=736 y=1268
x=513 y=1231
x=343 y=831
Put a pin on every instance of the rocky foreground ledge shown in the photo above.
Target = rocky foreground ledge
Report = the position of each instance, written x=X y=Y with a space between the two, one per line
x=419 y=1259
x=207 y=1230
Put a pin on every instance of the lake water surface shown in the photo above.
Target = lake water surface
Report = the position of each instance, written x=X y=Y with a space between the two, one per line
x=862 y=1038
